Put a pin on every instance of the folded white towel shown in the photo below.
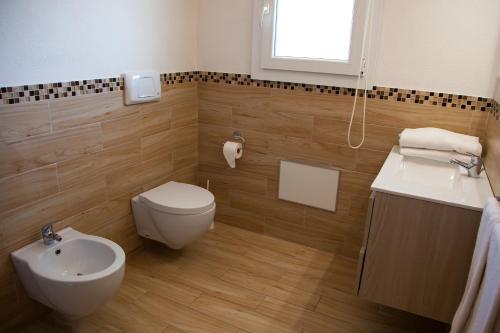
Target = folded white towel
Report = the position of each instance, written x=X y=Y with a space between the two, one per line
x=479 y=309
x=440 y=139
x=435 y=155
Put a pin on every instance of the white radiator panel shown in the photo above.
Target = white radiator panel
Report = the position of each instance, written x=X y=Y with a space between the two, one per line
x=309 y=185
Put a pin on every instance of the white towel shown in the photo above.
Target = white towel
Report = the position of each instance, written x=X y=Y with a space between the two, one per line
x=435 y=155
x=478 y=310
x=440 y=139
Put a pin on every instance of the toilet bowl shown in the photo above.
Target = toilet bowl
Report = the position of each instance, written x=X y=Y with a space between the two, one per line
x=175 y=214
x=74 y=276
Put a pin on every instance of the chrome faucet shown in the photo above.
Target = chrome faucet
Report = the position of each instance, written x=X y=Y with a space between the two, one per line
x=474 y=167
x=48 y=235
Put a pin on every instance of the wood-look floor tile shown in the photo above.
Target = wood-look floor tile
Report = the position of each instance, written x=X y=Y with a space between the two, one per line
x=168 y=288
x=212 y=285
x=302 y=318
x=188 y=319
x=196 y=290
x=239 y=316
x=173 y=329
x=272 y=288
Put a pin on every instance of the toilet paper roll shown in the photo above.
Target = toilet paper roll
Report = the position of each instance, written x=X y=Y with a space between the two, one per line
x=232 y=151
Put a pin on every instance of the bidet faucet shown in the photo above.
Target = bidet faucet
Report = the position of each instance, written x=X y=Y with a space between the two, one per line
x=48 y=235
x=474 y=168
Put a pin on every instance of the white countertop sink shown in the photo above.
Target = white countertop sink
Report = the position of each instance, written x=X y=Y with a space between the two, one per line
x=432 y=181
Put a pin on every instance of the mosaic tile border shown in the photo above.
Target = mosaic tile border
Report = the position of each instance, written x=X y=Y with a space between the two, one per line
x=37 y=92
x=47 y=91
x=385 y=93
x=495 y=111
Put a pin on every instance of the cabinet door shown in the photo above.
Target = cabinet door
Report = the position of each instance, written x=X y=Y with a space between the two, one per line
x=418 y=255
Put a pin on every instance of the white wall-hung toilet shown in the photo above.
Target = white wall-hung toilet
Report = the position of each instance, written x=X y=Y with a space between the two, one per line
x=175 y=214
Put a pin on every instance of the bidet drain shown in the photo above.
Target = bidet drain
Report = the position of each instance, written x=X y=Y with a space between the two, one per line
x=79 y=274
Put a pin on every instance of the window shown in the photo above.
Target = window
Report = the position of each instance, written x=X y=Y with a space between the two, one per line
x=319 y=36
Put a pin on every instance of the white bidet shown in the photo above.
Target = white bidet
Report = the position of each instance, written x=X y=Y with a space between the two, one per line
x=74 y=275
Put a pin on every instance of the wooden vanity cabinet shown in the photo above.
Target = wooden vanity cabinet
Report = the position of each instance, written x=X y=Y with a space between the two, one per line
x=416 y=255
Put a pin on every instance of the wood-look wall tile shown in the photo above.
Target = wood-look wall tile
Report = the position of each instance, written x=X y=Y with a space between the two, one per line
x=335 y=107
x=20 y=121
x=220 y=189
x=240 y=218
x=215 y=114
x=185 y=175
x=163 y=143
x=125 y=180
x=156 y=169
x=77 y=171
x=23 y=224
x=255 y=162
x=290 y=102
x=121 y=231
x=356 y=183
x=388 y=113
x=492 y=161
x=268 y=207
x=235 y=179
x=381 y=138
x=183 y=102
x=28 y=187
x=478 y=124
x=184 y=157
x=370 y=161
x=184 y=116
x=302 y=234
x=215 y=135
x=314 y=152
x=376 y=137
x=88 y=109
x=88 y=221
x=156 y=117
x=263 y=119
x=121 y=130
x=32 y=153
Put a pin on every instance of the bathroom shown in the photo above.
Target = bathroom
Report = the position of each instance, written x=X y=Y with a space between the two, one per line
x=249 y=166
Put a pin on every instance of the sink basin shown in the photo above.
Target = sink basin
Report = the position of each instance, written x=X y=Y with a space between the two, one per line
x=433 y=181
x=74 y=276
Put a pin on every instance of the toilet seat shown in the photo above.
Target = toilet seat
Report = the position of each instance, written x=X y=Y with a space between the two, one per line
x=178 y=198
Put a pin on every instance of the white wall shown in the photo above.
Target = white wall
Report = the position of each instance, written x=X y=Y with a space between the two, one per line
x=437 y=45
x=64 y=40
x=225 y=36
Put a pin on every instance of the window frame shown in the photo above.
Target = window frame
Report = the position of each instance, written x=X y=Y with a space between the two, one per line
x=267 y=24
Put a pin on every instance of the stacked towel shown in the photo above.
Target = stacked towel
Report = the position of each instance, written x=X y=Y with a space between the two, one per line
x=440 y=139
x=435 y=155
x=479 y=309
x=438 y=144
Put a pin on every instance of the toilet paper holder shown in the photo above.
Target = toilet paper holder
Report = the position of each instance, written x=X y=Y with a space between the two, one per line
x=238 y=138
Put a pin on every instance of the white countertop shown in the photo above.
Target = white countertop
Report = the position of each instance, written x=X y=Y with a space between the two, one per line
x=432 y=181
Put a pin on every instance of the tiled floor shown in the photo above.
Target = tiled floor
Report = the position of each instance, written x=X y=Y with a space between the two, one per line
x=237 y=281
